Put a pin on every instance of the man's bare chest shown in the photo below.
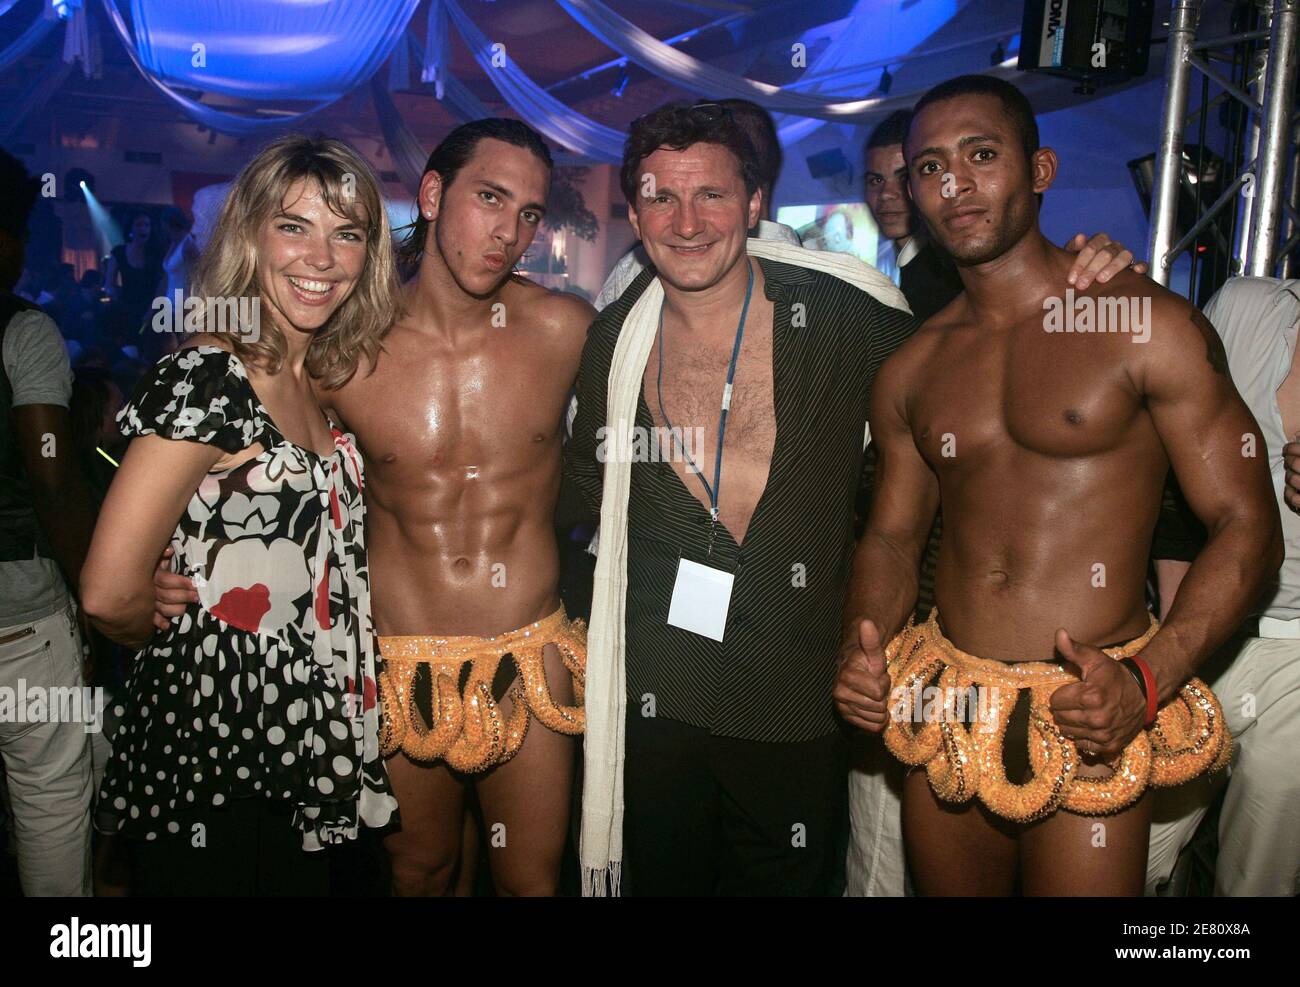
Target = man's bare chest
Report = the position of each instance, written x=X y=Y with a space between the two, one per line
x=1042 y=396
x=691 y=388
x=439 y=405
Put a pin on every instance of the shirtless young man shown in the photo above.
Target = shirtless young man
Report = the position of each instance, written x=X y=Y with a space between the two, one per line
x=1048 y=451
x=460 y=425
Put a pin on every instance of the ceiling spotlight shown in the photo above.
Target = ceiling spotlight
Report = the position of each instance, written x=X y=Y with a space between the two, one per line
x=76 y=183
x=621 y=86
x=886 y=80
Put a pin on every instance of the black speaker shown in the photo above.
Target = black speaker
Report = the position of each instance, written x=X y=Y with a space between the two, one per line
x=1200 y=167
x=1094 y=41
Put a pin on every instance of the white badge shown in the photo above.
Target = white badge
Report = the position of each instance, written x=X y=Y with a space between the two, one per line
x=701 y=597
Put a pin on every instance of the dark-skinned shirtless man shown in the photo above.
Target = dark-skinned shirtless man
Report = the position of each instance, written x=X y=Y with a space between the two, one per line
x=460 y=424
x=1048 y=451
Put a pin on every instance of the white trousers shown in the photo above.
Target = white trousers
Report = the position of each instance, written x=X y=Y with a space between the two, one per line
x=47 y=764
x=1259 y=824
x=875 y=864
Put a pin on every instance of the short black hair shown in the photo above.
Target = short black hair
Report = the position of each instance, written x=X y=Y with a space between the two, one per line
x=450 y=156
x=18 y=194
x=889 y=131
x=680 y=125
x=1014 y=103
x=760 y=128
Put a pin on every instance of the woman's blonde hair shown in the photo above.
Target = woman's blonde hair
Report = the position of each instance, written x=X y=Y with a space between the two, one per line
x=228 y=267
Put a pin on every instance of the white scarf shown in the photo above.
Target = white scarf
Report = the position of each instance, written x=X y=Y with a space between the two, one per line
x=600 y=850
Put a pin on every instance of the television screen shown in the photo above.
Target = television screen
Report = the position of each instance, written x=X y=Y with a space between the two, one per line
x=844 y=227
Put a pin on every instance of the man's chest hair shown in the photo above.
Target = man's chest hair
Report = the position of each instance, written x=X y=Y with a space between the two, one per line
x=692 y=392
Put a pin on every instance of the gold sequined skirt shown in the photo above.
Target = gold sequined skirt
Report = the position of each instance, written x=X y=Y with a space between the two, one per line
x=466 y=729
x=963 y=755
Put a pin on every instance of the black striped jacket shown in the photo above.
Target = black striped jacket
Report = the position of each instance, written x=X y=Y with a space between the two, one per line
x=770 y=678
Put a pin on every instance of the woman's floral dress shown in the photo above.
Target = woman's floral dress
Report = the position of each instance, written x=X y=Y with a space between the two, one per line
x=266 y=686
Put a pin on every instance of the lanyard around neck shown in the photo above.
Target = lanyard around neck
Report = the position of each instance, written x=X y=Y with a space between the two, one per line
x=712 y=489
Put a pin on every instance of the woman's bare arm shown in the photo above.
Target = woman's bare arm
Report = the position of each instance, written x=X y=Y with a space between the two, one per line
x=149 y=493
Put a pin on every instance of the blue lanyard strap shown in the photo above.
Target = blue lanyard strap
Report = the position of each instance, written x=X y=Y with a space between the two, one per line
x=726 y=402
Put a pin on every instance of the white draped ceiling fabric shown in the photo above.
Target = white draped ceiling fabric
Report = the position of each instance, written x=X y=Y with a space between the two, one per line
x=436 y=62
x=580 y=133
x=533 y=103
x=858 y=39
x=260 y=50
x=463 y=104
x=408 y=155
x=268 y=49
x=690 y=73
x=273 y=51
x=80 y=44
x=29 y=39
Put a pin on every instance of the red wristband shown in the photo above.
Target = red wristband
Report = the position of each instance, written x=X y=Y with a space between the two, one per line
x=1150 y=689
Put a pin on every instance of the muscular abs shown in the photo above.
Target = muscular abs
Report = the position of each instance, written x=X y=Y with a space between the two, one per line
x=462 y=445
x=1050 y=472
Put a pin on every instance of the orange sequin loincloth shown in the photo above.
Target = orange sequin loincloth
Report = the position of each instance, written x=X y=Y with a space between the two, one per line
x=1188 y=738
x=468 y=731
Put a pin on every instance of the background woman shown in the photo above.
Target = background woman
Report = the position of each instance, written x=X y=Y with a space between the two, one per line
x=133 y=271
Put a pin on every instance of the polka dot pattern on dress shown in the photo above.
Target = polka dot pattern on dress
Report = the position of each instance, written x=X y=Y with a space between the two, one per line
x=242 y=696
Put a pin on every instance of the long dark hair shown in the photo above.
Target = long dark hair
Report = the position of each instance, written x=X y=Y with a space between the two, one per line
x=450 y=156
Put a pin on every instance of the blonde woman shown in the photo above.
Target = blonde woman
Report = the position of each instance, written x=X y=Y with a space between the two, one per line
x=248 y=724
